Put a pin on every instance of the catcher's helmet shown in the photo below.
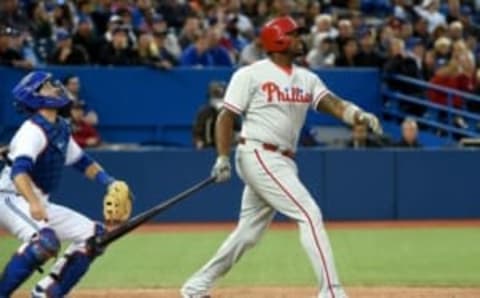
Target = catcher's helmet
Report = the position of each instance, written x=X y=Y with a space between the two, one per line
x=274 y=34
x=26 y=92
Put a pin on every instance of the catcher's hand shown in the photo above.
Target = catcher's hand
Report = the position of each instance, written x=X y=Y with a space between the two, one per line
x=117 y=203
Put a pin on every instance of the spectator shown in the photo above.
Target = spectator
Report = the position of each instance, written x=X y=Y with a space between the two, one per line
x=142 y=13
x=234 y=36
x=63 y=17
x=206 y=51
x=241 y=22
x=190 y=31
x=455 y=31
x=252 y=52
x=146 y=50
x=420 y=30
x=8 y=55
x=101 y=16
x=367 y=56
x=116 y=22
x=175 y=12
x=442 y=51
x=312 y=10
x=82 y=132
x=383 y=44
x=345 y=33
x=402 y=10
x=416 y=50
x=41 y=31
x=86 y=38
x=21 y=43
x=360 y=138
x=118 y=51
x=399 y=63
x=429 y=66
x=11 y=15
x=282 y=7
x=171 y=41
x=204 y=125
x=165 y=59
x=73 y=85
x=66 y=53
x=429 y=11
x=348 y=54
x=406 y=31
x=323 y=52
x=323 y=24
x=262 y=13
x=409 y=134
x=458 y=74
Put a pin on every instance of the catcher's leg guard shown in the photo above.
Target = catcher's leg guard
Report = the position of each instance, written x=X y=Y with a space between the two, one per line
x=69 y=269
x=43 y=246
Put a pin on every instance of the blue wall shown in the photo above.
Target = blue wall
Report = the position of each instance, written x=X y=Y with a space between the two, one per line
x=147 y=105
x=348 y=185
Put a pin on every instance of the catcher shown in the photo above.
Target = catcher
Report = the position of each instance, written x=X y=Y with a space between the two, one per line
x=35 y=159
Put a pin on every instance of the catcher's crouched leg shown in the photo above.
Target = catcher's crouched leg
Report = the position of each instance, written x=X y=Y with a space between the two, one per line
x=43 y=246
x=70 y=268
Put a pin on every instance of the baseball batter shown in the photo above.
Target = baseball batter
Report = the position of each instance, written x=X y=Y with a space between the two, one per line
x=37 y=154
x=273 y=96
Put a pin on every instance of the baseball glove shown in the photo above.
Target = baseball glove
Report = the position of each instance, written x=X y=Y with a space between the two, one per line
x=117 y=203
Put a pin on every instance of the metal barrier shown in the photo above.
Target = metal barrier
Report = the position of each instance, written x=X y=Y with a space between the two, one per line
x=432 y=118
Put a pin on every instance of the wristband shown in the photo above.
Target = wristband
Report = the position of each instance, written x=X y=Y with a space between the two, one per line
x=349 y=113
x=103 y=178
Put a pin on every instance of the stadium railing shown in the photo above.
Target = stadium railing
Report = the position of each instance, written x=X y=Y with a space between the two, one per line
x=437 y=117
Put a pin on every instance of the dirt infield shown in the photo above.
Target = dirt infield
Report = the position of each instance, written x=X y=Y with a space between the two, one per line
x=278 y=292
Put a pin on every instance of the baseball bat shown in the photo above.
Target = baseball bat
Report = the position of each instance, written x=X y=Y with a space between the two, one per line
x=145 y=216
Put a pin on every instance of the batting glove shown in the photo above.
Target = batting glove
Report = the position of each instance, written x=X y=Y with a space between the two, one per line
x=372 y=122
x=222 y=170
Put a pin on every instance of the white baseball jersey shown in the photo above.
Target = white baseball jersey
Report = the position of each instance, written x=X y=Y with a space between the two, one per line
x=274 y=101
x=30 y=141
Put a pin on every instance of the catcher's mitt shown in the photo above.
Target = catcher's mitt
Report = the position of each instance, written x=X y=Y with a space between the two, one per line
x=117 y=203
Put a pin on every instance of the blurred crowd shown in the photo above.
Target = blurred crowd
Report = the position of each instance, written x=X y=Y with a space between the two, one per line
x=416 y=37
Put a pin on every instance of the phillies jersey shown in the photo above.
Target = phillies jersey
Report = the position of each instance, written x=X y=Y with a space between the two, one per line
x=273 y=101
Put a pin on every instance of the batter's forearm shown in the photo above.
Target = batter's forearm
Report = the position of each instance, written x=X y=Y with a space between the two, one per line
x=23 y=183
x=224 y=132
x=340 y=109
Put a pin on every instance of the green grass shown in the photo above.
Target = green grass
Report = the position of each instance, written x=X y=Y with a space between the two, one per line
x=421 y=257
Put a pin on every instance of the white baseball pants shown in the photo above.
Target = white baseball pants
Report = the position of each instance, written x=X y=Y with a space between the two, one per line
x=272 y=184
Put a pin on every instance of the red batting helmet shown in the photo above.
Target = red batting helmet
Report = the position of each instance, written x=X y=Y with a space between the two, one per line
x=274 y=34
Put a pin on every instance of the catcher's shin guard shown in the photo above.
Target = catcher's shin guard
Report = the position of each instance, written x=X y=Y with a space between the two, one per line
x=68 y=270
x=43 y=246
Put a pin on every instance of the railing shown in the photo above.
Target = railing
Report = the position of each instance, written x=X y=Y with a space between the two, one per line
x=432 y=118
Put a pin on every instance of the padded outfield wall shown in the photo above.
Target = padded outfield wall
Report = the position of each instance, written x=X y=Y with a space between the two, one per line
x=348 y=185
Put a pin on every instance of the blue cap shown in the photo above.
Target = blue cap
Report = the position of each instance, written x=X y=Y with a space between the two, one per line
x=413 y=42
x=363 y=32
x=157 y=18
x=84 y=19
x=62 y=34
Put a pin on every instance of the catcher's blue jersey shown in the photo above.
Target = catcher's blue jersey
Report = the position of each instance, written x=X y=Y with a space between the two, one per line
x=48 y=167
x=41 y=149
